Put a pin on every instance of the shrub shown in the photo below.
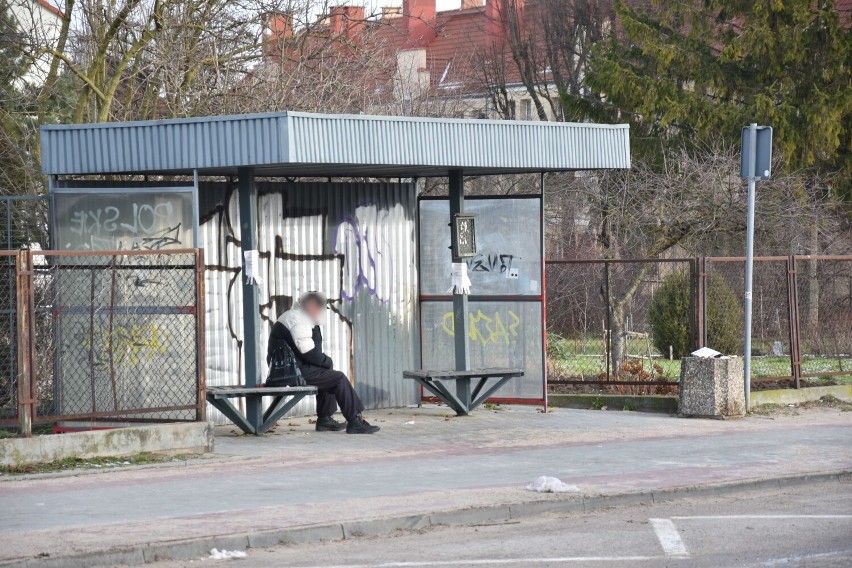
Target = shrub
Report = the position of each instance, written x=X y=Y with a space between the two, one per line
x=669 y=315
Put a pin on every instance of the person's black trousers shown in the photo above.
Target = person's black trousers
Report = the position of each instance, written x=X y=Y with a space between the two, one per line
x=333 y=390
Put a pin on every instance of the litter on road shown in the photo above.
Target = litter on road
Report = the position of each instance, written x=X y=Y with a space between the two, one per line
x=546 y=484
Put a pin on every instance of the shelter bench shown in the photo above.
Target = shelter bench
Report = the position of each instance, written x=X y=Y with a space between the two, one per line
x=463 y=401
x=285 y=399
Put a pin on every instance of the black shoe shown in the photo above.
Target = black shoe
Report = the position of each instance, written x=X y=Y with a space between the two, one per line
x=329 y=424
x=360 y=426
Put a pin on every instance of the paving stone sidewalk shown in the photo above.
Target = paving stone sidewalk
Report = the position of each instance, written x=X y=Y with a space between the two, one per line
x=423 y=461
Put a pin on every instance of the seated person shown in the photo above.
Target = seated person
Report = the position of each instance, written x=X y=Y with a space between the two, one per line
x=299 y=328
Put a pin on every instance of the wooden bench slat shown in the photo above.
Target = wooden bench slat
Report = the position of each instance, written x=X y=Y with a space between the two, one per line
x=472 y=373
x=243 y=391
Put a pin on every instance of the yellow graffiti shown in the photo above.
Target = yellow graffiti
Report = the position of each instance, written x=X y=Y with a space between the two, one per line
x=130 y=344
x=486 y=329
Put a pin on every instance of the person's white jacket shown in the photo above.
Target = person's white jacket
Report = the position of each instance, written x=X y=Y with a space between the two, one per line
x=305 y=338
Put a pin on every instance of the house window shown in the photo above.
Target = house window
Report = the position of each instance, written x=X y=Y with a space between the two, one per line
x=527 y=109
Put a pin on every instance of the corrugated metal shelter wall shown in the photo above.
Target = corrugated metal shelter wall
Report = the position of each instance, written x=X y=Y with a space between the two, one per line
x=356 y=243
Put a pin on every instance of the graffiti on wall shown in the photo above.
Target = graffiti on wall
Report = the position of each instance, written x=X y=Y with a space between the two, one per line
x=343 y=251
x=123 y=221
x=362 y=242
x=491 y=328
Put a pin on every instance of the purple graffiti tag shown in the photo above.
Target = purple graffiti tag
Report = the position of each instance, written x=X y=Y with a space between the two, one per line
x=357 y=239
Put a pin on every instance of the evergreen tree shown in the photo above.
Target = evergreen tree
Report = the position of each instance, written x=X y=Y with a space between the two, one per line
x=705 y=68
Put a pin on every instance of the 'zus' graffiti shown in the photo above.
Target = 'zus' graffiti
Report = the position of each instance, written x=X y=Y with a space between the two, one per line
x=131 y=344
x=491 y=263
x=487 y=328
x=148 y=227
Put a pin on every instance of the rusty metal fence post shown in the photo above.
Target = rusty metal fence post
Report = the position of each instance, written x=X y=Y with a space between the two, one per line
x=200 y=329
x=795 y=337
x=26 y=398
x=699 y=266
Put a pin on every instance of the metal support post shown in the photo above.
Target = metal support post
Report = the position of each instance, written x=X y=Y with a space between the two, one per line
x=251 y=311
x=460 y=322
x=752 y=149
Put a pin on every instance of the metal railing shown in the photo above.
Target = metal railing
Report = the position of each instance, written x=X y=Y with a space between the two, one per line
x=107 y=336
x=600 y=332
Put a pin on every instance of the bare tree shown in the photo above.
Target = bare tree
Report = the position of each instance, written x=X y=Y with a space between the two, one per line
x=693 y=204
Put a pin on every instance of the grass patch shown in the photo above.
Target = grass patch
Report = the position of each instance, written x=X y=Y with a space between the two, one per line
x=583 y=358
x=93 y=463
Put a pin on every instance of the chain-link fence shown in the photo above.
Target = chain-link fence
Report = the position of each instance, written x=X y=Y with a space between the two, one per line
x=113 y=337
x=8 y=335
x=623 y=325
x=599 y=325
x=801 y=316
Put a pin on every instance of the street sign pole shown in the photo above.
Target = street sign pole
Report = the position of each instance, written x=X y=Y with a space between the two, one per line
x=752 y=173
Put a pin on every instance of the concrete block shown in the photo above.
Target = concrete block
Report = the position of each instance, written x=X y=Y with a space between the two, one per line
x=535 y=508
x=192 y=437
x=128 y=557
x=609 y=501
x=309 y=535
x=378 y=527
x=643 y=403
x=194 y=548
x=476 y=515
x=711 y=388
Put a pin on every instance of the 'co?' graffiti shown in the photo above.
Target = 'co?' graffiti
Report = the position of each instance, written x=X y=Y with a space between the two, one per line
x=130 y=343
x=487 y=328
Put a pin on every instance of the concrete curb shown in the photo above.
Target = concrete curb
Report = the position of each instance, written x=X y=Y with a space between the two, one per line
x=194 y=437
x=638 y=403
x=798 y=396
x=188 y=549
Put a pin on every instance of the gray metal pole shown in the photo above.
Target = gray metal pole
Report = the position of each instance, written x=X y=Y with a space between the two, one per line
x=251 y=312
x=752 y=161
x=459 y=300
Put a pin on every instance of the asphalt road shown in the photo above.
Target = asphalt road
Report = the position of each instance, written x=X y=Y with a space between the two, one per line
x=808 y=526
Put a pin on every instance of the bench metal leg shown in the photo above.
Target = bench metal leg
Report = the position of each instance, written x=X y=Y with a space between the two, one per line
x=225 y=406
x=445 y=395
x=463 y=392
x=489 y=391
x=463 y=401
x=279 y=407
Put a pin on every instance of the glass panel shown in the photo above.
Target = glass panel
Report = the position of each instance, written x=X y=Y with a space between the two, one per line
x=124 y=220
x=508 y=261
x=502 y=334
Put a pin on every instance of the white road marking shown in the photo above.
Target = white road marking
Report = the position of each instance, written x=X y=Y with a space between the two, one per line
x=759 y=517
x=669 y=537
x=496 y=561
x=798 y=559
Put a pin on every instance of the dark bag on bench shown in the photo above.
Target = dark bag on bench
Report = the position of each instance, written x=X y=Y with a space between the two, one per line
x=283 y=368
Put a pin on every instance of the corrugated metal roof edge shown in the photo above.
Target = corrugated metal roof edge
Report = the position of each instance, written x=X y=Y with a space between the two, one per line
x=318 y=116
